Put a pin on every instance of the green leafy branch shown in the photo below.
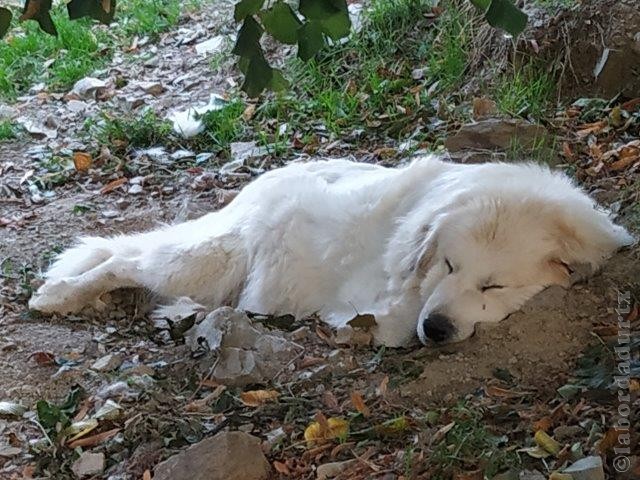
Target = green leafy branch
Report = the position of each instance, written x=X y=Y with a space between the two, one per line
x=312 y=26
x=40 y=11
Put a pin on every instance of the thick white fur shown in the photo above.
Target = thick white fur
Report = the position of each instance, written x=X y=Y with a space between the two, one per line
x=339 y=238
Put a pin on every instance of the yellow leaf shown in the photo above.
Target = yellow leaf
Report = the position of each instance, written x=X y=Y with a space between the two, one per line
x=335 y=428
x=358 y=403
x=82 y=161
x=255 y=398
x=547 y=443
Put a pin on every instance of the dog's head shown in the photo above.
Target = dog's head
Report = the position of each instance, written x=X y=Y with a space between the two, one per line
x=482 y=260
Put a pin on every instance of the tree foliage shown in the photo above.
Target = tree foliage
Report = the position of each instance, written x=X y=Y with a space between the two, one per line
x=311 y=26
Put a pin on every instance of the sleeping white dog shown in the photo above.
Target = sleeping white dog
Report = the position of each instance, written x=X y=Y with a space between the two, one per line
x=431 y=248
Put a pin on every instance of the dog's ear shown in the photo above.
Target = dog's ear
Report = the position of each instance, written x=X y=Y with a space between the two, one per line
x=425 y=251
x=585 y=237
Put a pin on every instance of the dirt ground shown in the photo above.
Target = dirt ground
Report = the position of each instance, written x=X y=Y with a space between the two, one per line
x=44 y=358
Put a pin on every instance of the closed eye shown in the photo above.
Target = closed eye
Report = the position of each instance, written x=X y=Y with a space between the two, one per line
x=491 y=287
x=449 y=266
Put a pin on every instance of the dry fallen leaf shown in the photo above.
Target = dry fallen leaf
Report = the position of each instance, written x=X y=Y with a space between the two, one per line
x=319 y=432
x=609 y=441
x=146 y=475
x=475 y=475
x=384 y=385
x=281 y=468
x=255 y=398
x=363 y=320
x=483 y=107
x=82 y=161
x=566 y=151
x=544 y=424
x=203 y=404
x=547 y=443
x=44 y=359
x=94 y=440
x=359 y=405
x=111 y=186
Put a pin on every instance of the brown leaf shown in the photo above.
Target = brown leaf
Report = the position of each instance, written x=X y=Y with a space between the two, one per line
x=44 y=359
x=358 y=403
x=111 y=186
x=249 y=112
x=94 y=440
x=591 y=128
x=483 y=107
x=363 y=320
x=475 y=475
x=146 y=475
x=203 y=404
x=631 y=105
x=82 y=161
x=384 y=385
x=609 y=441
x=544 y=424
x=330 y=400
x=494 y=391
x=566 y=151
x=255 y=398
x=281 y=468
x=385 y=152
x=595 y=151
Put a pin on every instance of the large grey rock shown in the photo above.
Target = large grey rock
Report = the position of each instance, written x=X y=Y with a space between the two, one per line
x=496 y=134
x=246 y=353
x=226 y=456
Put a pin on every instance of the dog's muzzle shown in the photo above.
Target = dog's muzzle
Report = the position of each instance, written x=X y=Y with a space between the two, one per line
x=438 y=328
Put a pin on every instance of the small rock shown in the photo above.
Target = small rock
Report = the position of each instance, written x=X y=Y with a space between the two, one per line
x=274 y=437
x=7 y=112
x=300 y=334
x=153 y=88
x=89 y=464
x=241 y=151
x=417 y=73
x=531 y=475
x=226 y=456
x=497 y=134
x=88 y=87
x=588 y=468
x=136 y=189
x=76 y=106
x=38 y=130
x=107 y=363
x=8 y=452
x=333 y=469
x=213 y=45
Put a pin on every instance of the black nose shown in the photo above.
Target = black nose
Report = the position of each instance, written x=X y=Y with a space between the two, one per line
x=438 y=328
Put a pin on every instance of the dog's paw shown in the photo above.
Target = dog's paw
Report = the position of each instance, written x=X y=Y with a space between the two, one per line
x=57 y=296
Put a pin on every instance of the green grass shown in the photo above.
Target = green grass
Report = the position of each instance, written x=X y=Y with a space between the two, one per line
x=8 y=131
x=223 y=126
x=76 y=53
x=469 y=445
x=136 y=131
x=367 y=82
x=525 y=91
x=81 y=47
x=147 y=129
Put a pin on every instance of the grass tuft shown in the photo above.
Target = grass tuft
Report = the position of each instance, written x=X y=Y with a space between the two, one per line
x=526 y=91
x=8 y=131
